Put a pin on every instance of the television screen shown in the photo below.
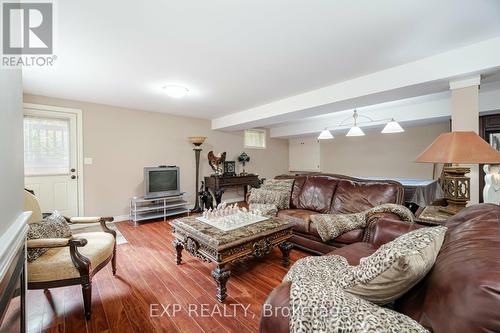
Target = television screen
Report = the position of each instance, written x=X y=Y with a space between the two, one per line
x=163 y=180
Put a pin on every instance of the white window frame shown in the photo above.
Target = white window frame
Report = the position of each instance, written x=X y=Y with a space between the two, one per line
x=262 y=132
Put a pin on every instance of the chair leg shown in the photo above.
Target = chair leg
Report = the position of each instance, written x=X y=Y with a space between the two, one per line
x=113 y=260
x=87 y=299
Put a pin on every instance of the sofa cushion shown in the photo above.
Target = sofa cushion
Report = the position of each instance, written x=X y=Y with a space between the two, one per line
x=396 y=266
x=354 y=197
x=317 y=194
x=300 y=218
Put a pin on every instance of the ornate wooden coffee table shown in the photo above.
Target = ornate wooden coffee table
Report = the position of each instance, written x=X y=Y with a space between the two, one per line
x=223 y=247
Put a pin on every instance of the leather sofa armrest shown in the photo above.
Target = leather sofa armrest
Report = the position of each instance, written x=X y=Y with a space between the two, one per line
x=276 y=310
x=383 y=229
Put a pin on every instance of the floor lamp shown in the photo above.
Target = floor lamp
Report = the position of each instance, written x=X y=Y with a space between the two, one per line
x=197 y=141
x=458 y=148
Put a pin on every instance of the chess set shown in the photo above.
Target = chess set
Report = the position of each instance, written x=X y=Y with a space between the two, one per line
x=229 y=217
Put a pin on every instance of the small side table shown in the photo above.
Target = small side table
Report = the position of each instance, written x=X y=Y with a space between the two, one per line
x=431 y=215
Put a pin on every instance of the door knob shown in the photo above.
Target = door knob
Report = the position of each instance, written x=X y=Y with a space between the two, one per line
x=73 y=170
x=73 y=177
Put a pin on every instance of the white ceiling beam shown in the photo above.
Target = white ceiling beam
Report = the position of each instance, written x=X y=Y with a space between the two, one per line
x=425 y=76
x=418 y=109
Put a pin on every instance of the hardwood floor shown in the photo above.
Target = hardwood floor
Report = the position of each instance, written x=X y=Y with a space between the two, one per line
x=183 y=297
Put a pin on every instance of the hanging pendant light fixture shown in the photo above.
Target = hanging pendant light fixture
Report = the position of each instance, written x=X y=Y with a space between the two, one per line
x=325 y=135
x=355 y=130
x=392 y=127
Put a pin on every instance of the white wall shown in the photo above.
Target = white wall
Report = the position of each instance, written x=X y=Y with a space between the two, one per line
x=11 y=147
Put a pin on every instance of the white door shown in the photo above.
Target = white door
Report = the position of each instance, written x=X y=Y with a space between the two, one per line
x=50 y=159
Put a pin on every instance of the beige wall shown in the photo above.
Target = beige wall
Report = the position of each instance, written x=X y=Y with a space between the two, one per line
x=381 y=155
x=123 y=141
x=11 y=147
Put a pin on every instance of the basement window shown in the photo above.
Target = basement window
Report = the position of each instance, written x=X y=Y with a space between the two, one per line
x=255 y=138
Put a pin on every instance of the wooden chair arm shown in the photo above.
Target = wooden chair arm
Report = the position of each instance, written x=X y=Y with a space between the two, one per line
x=47 y=243
x=93 y=219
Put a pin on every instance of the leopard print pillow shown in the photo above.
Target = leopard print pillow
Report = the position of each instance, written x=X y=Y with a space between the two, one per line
x=268 y=210
x=280 y=185
x=397 y=266
x=53 y=226
x=263 y=196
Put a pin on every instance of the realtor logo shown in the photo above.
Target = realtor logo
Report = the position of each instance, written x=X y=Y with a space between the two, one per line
x=27 y=34
x=27 y=28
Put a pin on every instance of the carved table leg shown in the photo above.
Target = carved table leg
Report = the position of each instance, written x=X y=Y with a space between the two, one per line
x=221 y=275
x=177 y=244
x=285 y=248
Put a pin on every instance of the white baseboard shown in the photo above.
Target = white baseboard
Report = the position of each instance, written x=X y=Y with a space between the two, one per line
x=120 y=218
x=11 y=240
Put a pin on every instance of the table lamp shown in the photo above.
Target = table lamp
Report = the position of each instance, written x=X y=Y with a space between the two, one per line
x=458 y=147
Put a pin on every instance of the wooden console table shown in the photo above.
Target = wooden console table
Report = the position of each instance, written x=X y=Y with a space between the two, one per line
x=218 y=184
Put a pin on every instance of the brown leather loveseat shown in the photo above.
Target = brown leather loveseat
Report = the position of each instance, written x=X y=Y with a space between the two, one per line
x=461 y=294
x=331 y=194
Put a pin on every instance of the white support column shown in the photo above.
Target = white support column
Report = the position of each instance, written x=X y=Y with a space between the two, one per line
x=465 y=117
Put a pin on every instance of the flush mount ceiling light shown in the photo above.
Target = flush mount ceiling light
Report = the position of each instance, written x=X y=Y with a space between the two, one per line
x=325 y=135
x=392 y=127
x=175 y=91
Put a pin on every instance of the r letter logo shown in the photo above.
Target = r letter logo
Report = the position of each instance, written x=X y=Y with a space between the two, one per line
x=27 y=28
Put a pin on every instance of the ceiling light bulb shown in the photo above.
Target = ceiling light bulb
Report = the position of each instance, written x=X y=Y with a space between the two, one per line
x=325 y=135
x=392 y=127
x=175 y=91
x=355 y=131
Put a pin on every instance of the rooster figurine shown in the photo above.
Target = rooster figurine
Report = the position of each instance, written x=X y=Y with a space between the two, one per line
x=216 y=162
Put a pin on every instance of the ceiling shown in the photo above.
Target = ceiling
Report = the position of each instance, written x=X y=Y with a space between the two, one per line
x=235 y=55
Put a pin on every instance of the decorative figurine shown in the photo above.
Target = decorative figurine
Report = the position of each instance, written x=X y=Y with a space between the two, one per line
x=216 y=162
x=206 y=199
x=243 y=159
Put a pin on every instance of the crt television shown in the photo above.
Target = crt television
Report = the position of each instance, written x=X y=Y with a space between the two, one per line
x=161 y=181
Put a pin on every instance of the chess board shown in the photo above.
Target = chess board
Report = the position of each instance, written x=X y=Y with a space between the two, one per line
x=232 y=222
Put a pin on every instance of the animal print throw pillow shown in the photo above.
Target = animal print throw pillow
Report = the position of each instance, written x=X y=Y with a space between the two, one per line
x=262 y=196
x=280 y=185
x=268 y=210
x=396 y=266
x=53 y=226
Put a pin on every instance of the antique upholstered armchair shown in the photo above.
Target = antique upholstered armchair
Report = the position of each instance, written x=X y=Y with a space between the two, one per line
x=70 y=261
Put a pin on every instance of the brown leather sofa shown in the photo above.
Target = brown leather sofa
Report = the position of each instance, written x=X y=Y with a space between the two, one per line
x=329 y=193
x=461 y=294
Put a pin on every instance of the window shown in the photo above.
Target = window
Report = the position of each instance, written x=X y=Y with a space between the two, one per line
x=46 y=146
x=255 y=138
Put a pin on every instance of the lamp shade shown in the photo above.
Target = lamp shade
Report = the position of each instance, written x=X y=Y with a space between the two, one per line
x=355 y=131
x=325 y=135
x=459 y=147
x=392 y=127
